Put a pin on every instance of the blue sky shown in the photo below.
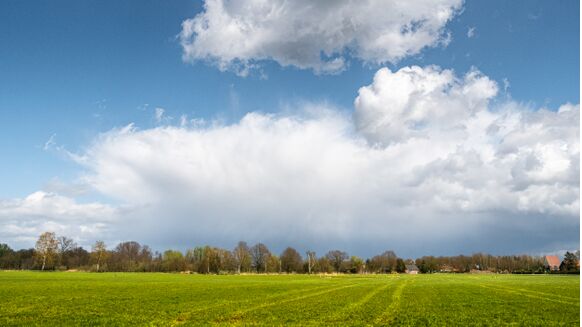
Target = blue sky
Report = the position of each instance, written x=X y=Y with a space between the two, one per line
x=72 y=70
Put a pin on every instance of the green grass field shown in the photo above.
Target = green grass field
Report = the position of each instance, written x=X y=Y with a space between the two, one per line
x=34 y=298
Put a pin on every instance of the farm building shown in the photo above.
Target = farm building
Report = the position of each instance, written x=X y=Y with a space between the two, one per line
x=411 y=269
x=552 y=262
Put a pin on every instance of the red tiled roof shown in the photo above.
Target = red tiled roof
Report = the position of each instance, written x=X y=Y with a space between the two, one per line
x=552 y=261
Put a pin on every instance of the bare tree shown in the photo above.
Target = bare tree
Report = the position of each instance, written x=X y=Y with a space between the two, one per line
x=195 y=258
x=291 y=261
x=46 y=248
x=337 y=258
x=99 y=253
x=65 y=245
x=384 y=263
x=260 y=255
x=242 y=256
x=311 y=258
x=127 y=255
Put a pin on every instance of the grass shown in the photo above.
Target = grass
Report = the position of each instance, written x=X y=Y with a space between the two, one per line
x=56 y=299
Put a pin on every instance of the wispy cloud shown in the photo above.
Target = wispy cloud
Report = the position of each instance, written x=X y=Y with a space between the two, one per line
x=506 y=85
x=161 y=117
x=50 y=143
x=534 y=16
x=159 y=114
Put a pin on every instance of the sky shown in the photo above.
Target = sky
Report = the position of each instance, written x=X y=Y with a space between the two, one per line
x=425 y=127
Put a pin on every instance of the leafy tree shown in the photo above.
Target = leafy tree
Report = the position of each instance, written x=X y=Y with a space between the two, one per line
x=173 y=261
x=427 y=264
x=356 y=265
x=5 y=249
x=570 y=263
x=46 y=248
x=400 y=266
x=6 y=256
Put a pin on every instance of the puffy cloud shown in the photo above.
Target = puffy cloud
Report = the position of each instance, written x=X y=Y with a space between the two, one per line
x=23 y=220
x=415 y=101
x=474 y=158
x=318 y=35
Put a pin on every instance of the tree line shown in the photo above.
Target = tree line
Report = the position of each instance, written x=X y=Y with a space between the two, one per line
x=53 y=252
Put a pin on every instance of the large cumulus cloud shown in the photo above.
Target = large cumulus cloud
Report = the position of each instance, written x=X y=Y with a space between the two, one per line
x=317 y=35
x=426 y=164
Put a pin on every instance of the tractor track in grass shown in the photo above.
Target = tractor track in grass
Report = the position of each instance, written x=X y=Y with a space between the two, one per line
x=185 y=316
x=513 y=291
x=237 y=317
x=556 y=296
x=530 y=293
x=387 y=317
x=356 y=305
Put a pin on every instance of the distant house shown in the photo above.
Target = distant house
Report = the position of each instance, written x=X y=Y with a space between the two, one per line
x=552 y=263
x=411 y=269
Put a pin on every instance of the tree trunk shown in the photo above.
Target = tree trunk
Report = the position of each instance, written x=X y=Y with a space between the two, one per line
x=43 y=263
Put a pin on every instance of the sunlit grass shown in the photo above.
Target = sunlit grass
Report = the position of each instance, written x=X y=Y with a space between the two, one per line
x=34 y=298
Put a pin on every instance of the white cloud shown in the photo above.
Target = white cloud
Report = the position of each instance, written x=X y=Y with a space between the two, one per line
x=416 y=101
x=23 y=220
x=471 y=32
x=425 y=154
x=425 y=165
x=473 y=157
x=319 y=35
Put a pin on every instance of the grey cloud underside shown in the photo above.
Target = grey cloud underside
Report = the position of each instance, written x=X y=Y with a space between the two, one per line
x=424 y=166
